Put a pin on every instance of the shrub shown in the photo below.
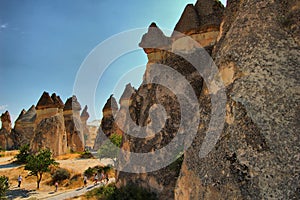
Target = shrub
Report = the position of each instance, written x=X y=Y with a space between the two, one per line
x=24 y=152
x=86 y=154
x=110 y=148
x=129 y=192
x=89 y=172
x=60 y=174
x=3 y=186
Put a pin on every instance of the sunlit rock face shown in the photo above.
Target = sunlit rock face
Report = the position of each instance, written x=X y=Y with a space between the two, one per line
x=255 y=45
x=108 y=125
x=257 y=154
x=49 y=130
x=6 y=141
x=25 y=127
x=73 y=125
x=143 y=102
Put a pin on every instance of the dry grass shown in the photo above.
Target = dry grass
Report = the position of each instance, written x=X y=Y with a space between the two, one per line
x=68 y=156
x=8 y=153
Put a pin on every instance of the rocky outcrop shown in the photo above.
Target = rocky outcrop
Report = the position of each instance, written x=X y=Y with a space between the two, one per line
x=257 y=154
x=5 y=132
x=201 y=22
x=73 y=125
x=49 y=125
x=155 y=43
x=93 y=130
x=256 y=48
x=107 y=126
x=143 y=103
x=84 y=117
x=25 y=126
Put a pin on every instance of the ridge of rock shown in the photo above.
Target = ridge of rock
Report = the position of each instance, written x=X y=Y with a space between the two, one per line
x=57 y=101
x=45 y=102
x=72 y=104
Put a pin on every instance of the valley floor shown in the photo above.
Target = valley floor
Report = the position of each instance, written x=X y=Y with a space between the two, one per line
x=28 y=186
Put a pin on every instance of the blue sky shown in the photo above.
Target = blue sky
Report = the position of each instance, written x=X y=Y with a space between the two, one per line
x=43 y=44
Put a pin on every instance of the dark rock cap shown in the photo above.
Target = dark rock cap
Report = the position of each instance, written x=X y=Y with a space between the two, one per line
x=72 y=104
x=5 y=117
x=188 y=21
x=57 y=101
x=45 y=102
x=154 y=38
x=111 y=104
x=84 y=114
x=205 y=14
x=22 y=113
x=210 y=12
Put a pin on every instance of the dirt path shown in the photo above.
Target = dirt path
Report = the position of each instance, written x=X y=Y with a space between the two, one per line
x=17 y=193
x=28 y=191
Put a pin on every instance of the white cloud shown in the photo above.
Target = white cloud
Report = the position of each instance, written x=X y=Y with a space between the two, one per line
x=3 y=26
x=3 y=107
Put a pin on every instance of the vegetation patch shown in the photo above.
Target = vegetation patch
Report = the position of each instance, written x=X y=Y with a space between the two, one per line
x=60 y=175
x=3 y=186
x=129 y=192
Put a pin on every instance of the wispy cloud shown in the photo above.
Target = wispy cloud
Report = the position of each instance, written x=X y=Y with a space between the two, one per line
x=3 y=107
x=3 y=26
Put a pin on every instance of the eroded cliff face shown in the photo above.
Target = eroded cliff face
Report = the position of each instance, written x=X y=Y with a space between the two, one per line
x=25 y=126
x=107 y=126
x=255 y=45
x=143 y=102
x=52 y=124
x=257 y=154
x=6 y=141
x=85 y=128
x=73 y=125
x=49 y=129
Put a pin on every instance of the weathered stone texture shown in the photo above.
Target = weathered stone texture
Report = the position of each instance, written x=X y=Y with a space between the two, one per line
x=107 y=126
x=257 y=155
x=25 y=126
x=73 y=125
x=6 y=141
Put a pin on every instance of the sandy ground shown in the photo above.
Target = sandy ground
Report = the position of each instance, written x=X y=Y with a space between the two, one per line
x=28 y=186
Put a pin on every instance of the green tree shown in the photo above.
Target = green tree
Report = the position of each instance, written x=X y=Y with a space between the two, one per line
x=24 y=152
x=3 y=186
x=111 y=147
x=39 y=163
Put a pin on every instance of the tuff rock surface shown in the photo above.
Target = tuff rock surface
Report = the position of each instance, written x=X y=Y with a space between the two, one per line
x=107 y=126
x=257 y=154
x=49 y=130
x=73 y=125
x=25 y=126
x=6 y=141
x=255 y=45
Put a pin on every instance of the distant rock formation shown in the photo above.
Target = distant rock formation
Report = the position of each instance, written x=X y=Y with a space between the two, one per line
x=85 y=129
x=107 y=126
x=6 y=141
x=73 y=125
x=50 y=129
x=51 y=124
x=25 y=126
